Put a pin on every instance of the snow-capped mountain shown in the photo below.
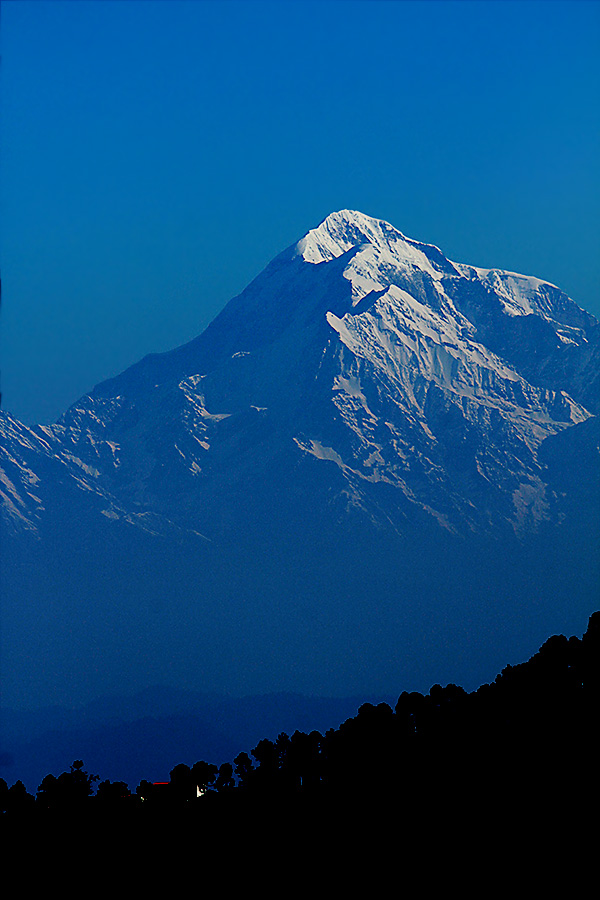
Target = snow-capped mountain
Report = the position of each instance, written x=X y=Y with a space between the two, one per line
x=361 y=367
x=376 y=468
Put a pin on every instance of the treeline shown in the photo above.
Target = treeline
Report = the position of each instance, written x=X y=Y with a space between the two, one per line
x=529 y=741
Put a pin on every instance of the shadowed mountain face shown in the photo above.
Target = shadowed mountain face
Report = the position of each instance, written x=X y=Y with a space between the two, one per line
x=372 y=461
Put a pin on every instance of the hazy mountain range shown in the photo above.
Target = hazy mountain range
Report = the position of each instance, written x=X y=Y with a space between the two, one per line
x=375 y=469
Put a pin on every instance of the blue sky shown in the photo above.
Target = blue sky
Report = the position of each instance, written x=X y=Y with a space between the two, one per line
x=156 y=155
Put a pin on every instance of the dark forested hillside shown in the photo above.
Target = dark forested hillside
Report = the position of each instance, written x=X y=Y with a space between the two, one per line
x=526 y=743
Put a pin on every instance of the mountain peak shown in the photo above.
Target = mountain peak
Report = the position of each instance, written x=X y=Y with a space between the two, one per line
x=348 y=228
x=342 y=219
x=340 y=232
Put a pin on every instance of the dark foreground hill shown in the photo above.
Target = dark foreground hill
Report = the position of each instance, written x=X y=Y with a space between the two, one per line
x=524 y=746
x=139 y=737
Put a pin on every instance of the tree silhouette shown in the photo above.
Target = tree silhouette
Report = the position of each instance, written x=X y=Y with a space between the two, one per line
x=244 y=769
x=70 y=789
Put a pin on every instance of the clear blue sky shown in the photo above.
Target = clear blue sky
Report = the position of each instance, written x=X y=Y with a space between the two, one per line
x=156 y=155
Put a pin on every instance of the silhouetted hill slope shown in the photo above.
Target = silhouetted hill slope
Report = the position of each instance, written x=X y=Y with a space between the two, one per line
x=527 y=741
x=134 y=738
